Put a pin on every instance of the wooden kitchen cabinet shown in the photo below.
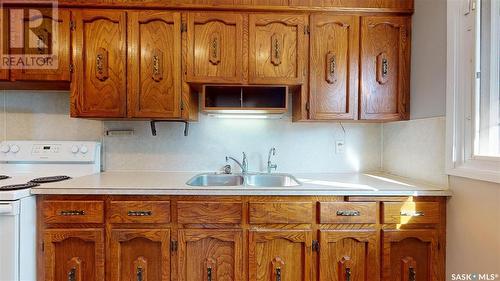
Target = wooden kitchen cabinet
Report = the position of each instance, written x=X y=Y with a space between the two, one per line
x=333 y=76
x=154 y=64
x=385 y=68
x=280 y=255
x=215 y=47
x=99 y=57
x=349 y=255
x=4 y=44
x=277 y=48
x=46 y=37
x=140 y=254
x=208 y=254
x=410 y=255
x=74 y=254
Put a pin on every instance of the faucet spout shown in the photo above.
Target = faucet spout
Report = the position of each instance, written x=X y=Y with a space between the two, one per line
x=243 y=165
x=270 y=165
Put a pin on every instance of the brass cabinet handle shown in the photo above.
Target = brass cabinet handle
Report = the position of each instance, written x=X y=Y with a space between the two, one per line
x=72 y=213
x=278 y=274
x=140 y=213
x=331 y=68
x=412 y=214
x=72 y=274
x=214 y=56
x=348 y=274
x=139 y=274
x=157 y=66
x=102 y=72
x=276 y=46
x=412 y=274
x=348 y=213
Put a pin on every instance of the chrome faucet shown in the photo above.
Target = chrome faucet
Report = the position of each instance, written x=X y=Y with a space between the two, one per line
x=243 y=165
x=270 y=165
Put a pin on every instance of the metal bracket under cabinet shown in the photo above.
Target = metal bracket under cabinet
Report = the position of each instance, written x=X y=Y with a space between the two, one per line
x=153 y=125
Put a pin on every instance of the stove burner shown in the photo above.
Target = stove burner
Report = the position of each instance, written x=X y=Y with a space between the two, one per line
x=50 y=179
x=18 y=186
x=4 y=177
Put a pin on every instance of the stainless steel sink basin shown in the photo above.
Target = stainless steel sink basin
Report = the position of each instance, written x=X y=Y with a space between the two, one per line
x=216 y=180
x=271 y=180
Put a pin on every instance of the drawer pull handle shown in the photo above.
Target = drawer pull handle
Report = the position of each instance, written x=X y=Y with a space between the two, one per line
x=348 y=213
x=72 y=274
x=348 y=274
x=140 y=213
x=72 y=213
x=412 y=214
x=278 y=274
x=412 y=274
x=209 y=274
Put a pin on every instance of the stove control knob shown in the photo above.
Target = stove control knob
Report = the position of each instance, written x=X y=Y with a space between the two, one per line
x=5 y=148
x=74 y=149
x=14 y=148
x=84 y=149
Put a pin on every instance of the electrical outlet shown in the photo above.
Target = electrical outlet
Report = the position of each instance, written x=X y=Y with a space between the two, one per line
x=339 y=147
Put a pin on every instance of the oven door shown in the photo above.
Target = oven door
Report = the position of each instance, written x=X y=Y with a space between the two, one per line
x=9 y=240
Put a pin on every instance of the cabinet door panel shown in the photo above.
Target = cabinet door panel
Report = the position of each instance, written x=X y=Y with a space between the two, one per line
x=276 y=47
x=349 y=255
x=46 y=38
x=99 y=56
x=410 y=255
x=280 y=255
x=74 y=253
x=210 y=255
x=154 y=64
x=333 y=74
x=385 y=70
x=140 y=255
x=215 y=47
x=4 y=44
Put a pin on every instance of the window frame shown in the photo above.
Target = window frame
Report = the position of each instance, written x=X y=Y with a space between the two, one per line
x=462 y=18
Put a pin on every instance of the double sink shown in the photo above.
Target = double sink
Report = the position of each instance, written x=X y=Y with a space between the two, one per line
x=253 y=180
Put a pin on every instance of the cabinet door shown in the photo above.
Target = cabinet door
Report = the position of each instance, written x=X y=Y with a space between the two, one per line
x=74 y=254
x=280 y=255
x=4 y=44
x=210 y=255
x=333 y=74
x=385 y=68
x=410 y=255
x=140 y=255
x=349 y=255
x=276 y=47
x=99 y=57
x=154 y=64
x=215 y=43
x=46 y=38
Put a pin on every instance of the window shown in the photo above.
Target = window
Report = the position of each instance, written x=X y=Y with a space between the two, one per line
x=473 y=89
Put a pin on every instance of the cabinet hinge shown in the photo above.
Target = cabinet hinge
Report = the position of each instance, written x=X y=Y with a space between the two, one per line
x=71 y=68
x=308 y=106
x=315 y=245
x=307 y=29
x=173 y=246
x=184 y=27
x=72 y=25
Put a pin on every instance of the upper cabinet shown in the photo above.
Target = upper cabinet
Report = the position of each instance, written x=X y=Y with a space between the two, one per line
x=333 y=77
x=385 y=69
x=99 y=57
x=215 y=47
x=4 y=43
x=154 y=64
x=276 y=48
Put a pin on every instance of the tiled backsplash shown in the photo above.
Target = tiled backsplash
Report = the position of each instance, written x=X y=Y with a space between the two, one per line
x=300 y=147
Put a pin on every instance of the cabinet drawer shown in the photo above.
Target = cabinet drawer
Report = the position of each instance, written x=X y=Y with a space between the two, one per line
x=410 y=212
x=73 y=211
x=348 y=212
x=280 y=212
x=209 y=212
x=139 y=212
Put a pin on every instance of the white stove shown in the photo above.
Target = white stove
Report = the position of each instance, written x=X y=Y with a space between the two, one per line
x=29 y=163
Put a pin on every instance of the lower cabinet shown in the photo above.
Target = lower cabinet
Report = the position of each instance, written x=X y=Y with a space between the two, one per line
x=210 y=255
x=350 y=255
x=74 y=254
x=280 y=255
x=140 y=254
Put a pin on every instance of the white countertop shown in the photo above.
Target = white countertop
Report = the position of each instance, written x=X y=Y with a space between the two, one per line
x=174 y=183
